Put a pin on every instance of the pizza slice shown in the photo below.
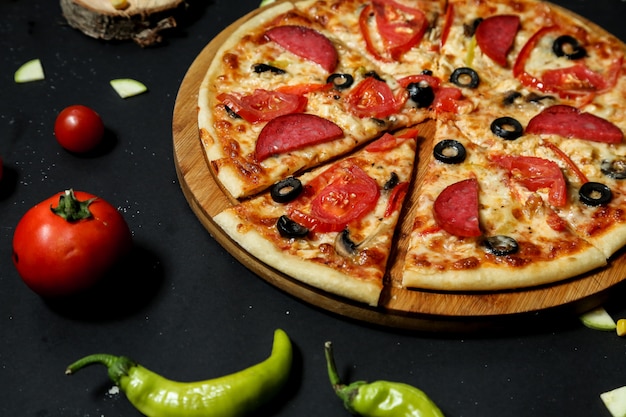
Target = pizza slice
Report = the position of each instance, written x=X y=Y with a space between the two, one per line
x=480 y=225
x=283 y=95
x=331 y=228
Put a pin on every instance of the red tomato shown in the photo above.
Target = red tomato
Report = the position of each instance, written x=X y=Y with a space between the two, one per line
x=447 y=99
x=388 y=141
x=264 y=105
x=400 y=27
x=372 y=98
x=567 y=82
x=340 y=195
x=535 y=173
x=78 y=129
x=396 y=197
x=56 y=256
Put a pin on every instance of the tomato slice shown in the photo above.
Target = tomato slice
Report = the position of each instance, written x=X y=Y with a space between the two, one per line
x=432 y=81
x=401 y=27
x=447 y=99
x=519 y=68
x=396 y=197
x=536 y=173
x=447 y=25
x=342 y=194
x=263 y=105
x=570 y=81
x=388 y=141
x=372 y=98
x=577 y=78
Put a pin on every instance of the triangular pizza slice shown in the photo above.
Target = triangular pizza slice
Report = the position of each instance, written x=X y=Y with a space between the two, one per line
x=479 y=226
x=331 y=228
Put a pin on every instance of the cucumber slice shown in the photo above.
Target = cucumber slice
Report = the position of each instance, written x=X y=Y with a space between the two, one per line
x=598 y=319
x=266 y=2
x=615 y=401
x=127 y=87
x=29 y=71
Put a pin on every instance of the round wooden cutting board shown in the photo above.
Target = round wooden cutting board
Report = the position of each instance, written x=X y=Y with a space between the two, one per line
x=399 y=307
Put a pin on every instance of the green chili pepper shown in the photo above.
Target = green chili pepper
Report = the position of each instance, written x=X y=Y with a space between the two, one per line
x=232 y=395
x=380 y=398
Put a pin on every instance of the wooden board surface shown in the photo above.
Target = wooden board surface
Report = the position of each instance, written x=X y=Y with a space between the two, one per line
x=399 y=307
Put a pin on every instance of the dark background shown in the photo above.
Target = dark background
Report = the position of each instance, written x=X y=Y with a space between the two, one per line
x=182 y=305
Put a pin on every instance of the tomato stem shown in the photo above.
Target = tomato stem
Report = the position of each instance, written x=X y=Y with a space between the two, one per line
x=72 y=209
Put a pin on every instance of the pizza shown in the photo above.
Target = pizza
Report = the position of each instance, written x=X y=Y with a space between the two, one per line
x=464 y=145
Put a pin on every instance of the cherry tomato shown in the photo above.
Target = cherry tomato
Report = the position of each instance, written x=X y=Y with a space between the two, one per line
x=68 y=242
x=78 y=129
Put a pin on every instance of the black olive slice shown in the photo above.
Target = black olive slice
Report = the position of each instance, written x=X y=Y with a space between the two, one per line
x=511 y=97
x=286 y=190
x=450 y=151
x=340 y=81
x=614 y=169
x=465 y=77
x=392 y=182
x=344 y=245
x=288 y=228
x=501 y=245
x=469 y=29
x=595 y=194
x=537 y=98
x=421 y=93
x=231 y=113
x=507 y=128
x=259 y=68
x=374 y=75
x=568 y=47
x=427 y=72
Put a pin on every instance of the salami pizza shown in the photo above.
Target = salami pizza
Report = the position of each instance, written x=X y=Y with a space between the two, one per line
x=311 y=112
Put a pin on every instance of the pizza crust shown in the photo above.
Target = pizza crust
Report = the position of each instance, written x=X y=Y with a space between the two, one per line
x=494 y=278
x=315 y=275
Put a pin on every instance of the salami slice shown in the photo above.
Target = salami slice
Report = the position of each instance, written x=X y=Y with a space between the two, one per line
x=570 y=122
x=456 y=209
x=306 y=43
x=294 y=131
x=495 y=36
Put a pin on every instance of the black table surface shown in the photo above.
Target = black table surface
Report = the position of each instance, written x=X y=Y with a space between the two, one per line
x=183 y=306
